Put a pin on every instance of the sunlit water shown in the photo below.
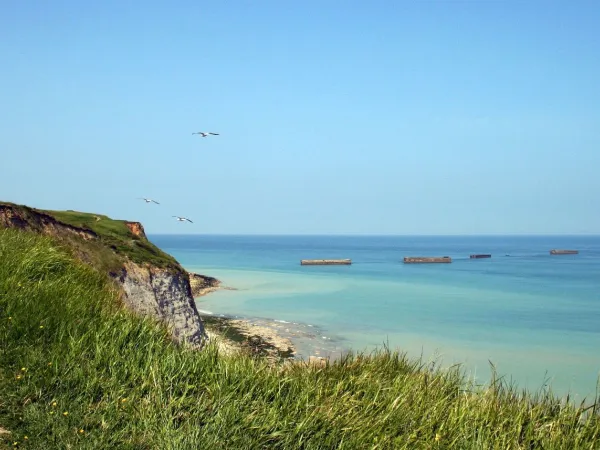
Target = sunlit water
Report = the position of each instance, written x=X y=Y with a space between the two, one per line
x=536 y=317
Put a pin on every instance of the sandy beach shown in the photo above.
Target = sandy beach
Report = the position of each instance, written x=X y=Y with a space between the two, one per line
x=278 y=342
x=275 y=340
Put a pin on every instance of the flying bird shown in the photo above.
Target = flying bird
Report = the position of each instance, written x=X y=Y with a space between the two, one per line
x=203 y=134
x=148 y=200
x=183 y=219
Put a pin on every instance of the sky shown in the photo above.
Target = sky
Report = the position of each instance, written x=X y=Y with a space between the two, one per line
x=335 y=117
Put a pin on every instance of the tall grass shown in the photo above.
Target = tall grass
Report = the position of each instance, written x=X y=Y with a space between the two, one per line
x=76 y=371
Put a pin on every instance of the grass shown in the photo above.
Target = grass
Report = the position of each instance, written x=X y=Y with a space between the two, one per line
x=76 y=371
x=115 y=240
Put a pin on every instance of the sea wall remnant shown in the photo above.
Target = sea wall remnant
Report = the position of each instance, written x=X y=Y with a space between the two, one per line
x=325 y=262
x=426 y=259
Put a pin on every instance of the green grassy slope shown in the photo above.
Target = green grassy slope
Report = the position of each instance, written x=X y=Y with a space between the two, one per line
x=78 y=372
x=114 y=236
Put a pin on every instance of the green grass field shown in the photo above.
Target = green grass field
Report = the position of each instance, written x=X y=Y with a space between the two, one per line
x=78 y=372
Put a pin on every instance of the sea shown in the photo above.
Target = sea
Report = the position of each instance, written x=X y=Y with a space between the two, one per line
x=530 y=317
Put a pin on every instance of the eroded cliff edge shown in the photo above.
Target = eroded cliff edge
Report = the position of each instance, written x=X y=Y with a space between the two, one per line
x=202 y=285
x=152 y=282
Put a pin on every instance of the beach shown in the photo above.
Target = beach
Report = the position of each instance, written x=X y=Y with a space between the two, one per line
x=258 y=337
x=277 y=341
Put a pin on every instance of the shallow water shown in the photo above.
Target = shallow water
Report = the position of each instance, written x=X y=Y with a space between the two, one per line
x=533 y=315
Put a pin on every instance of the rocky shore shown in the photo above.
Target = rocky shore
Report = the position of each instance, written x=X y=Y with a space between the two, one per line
x=239 y=334
x=202 y=285
x=244 y=335
x=277 y=341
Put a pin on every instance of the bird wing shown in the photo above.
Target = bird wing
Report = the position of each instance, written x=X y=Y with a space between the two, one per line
x=156 y=202
x=214 y=134
x=189 y=220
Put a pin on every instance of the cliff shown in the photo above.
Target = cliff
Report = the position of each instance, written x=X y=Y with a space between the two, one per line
x=202 y=285
x=152 y=282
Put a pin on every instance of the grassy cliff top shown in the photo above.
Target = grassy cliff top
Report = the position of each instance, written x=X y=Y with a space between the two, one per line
x=113 y=240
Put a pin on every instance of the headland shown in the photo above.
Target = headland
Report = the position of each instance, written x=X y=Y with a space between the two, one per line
x=99 y=351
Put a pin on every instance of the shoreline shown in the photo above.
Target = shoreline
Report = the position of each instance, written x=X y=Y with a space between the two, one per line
x=242 y=335
x=235 y=334
x=276 y=340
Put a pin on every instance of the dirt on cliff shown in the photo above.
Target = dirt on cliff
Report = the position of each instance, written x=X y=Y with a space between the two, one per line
x=137 y=229
x=22 y=217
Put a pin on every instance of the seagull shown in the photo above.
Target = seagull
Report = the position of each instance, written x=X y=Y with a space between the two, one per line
x=183 y=219
x=203 y=134
x=148 y=200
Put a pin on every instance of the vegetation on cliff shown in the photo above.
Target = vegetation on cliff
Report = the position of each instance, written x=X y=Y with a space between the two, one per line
x=98 y=239
x=78 y=371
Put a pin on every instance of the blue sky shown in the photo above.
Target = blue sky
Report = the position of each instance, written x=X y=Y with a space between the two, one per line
x=382 y=117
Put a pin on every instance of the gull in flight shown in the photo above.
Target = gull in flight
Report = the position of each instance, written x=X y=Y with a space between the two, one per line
x=203 y=134
x=148 y=200
x=183 y=219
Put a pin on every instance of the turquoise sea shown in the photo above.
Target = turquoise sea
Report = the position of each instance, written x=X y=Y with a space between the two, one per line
x=535 y=316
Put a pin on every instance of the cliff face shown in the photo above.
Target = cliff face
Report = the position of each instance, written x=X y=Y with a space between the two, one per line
x=165 y=295
x=136 y=229
x=153 y=283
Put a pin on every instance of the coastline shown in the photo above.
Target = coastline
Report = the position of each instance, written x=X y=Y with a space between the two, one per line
x=242 y=335
x=276 y=341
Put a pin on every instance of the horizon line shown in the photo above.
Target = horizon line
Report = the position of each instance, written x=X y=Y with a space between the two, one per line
x=383 y=234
